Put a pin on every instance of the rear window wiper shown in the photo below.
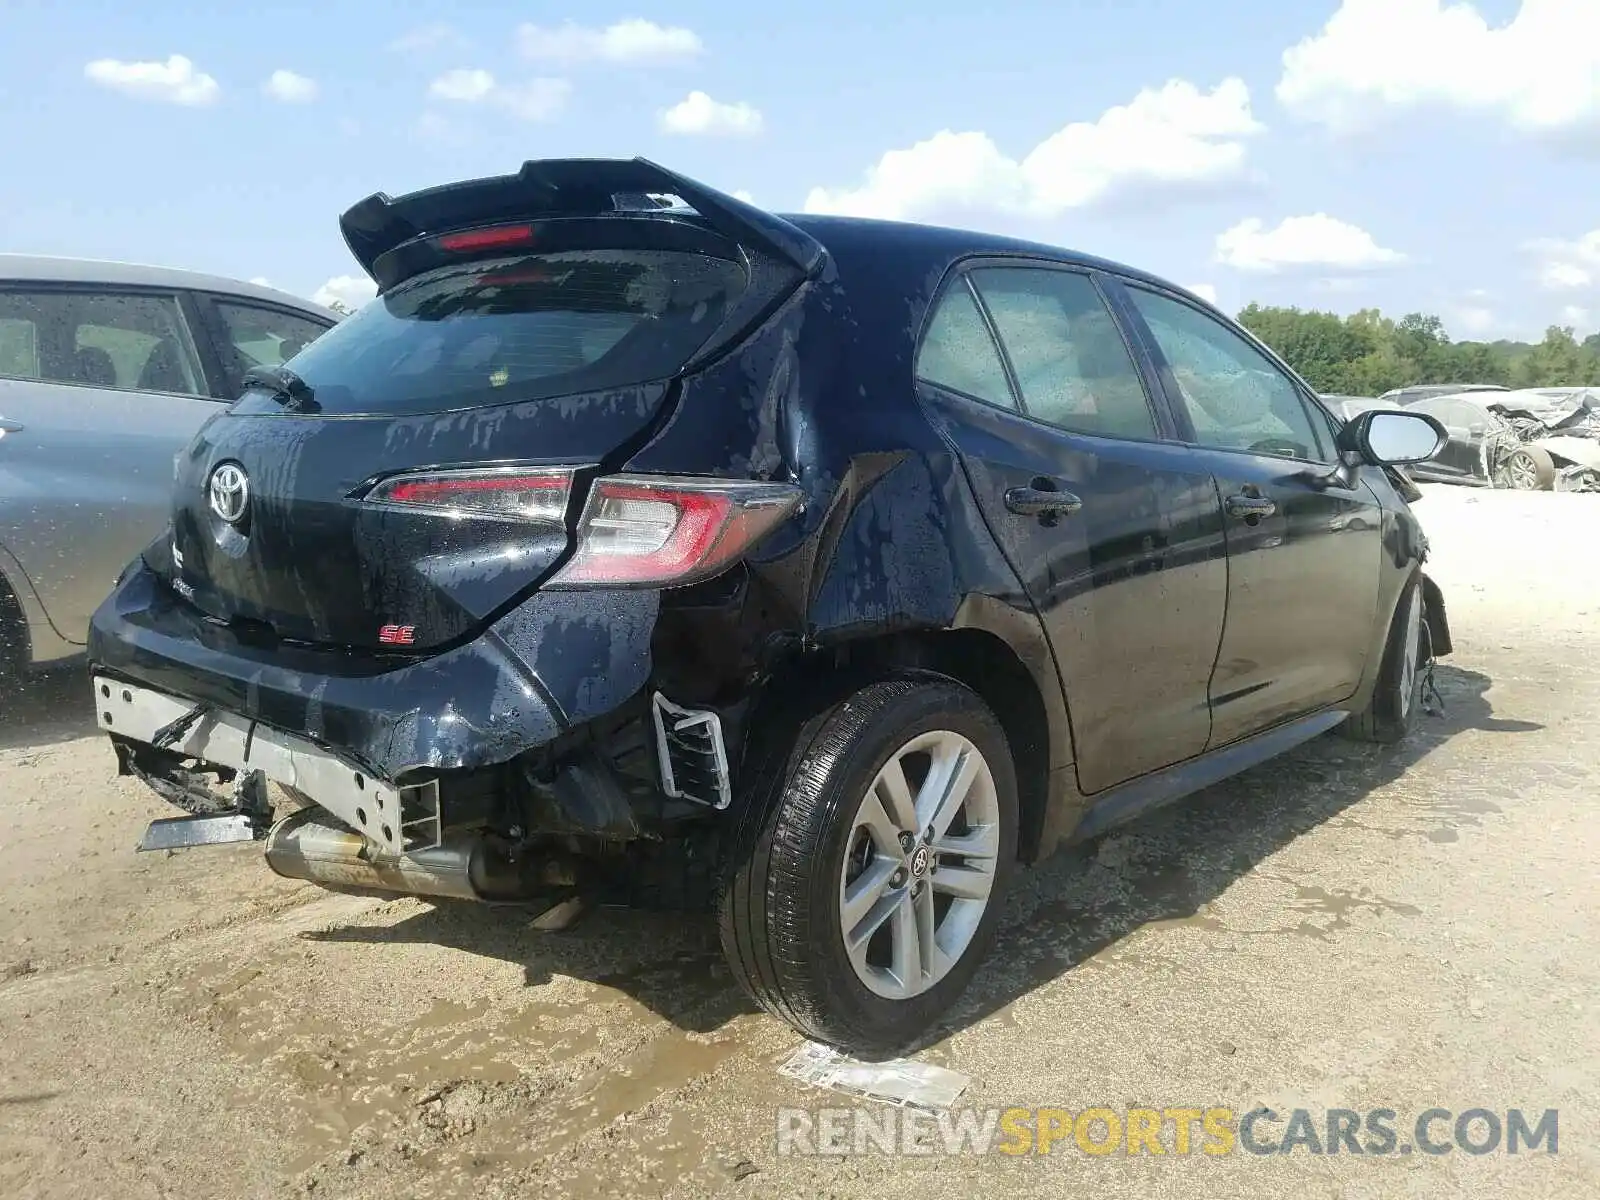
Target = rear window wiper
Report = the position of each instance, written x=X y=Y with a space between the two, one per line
x=285 y=386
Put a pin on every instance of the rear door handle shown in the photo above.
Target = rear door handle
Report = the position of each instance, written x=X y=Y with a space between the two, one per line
x=7 y=426
x=1250 y=507
x=1041 y=502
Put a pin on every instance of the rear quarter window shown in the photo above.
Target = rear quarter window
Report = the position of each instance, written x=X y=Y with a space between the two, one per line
x=512 y=330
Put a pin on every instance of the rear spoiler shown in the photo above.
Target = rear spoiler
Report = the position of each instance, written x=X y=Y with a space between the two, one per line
x=564 y=187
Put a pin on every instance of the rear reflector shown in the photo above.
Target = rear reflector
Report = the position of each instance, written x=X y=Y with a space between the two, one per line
x=508 y=492
x=640 y=530
x=485 y=239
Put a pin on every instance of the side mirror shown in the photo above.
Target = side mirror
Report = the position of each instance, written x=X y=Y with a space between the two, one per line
x=1392 y=438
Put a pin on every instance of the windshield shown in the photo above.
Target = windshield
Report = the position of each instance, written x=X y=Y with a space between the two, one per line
x=529 y=327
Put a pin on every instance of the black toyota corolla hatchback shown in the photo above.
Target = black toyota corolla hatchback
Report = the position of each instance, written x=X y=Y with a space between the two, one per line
x=639 y=543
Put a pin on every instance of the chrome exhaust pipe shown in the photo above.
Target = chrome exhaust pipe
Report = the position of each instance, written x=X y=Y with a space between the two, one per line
x=465 y=866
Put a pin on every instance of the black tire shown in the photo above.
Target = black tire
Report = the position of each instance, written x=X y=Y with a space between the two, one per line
x=13 y=640
x=779 y=909
x=1392 y=710
x=1537 y=473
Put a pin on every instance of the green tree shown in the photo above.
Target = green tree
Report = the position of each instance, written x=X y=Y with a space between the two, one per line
x=1367 y=353
x=1318 y=344
x=1559 y=361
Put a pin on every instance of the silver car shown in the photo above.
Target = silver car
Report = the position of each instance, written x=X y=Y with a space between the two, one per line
x=106 y=371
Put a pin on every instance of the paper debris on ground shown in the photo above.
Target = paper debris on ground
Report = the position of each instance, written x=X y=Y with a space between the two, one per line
x=903 y=1082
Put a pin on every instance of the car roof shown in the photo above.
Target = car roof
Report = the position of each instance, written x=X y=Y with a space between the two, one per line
x=921 y=247
x=1479 y=399
x=1444 y=389
x=40 y=268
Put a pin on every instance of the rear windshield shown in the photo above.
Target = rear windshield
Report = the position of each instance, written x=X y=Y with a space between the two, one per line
x=510 y=330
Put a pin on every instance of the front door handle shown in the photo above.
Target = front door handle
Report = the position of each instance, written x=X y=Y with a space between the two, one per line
x=1251 y=508
x=7 y=426
x=1041 y=502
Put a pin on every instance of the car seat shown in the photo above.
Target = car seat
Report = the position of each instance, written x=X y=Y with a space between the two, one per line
x=93 y=366
x=163 y=372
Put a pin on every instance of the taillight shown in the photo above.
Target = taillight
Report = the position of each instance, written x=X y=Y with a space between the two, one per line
x=508 y=492
x=636 y=530
x=642 y=529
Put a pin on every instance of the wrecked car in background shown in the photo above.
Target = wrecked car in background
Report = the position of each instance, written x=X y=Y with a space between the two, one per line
x=1538 y=439
x=636 y=540
x=1402 y=396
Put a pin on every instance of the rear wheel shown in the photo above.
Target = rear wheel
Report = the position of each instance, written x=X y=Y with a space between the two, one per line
x=1529 y=469
x=869 y=871
x=1389 y=714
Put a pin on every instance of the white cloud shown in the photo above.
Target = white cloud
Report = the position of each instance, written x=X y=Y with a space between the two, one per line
x=462 y=85
x=534 y=100
x=1568 y=266
x=1167 y=139
x=260 y=281
x=175 y=81
x=1205 y=291
x=1559 y=275
x=630 y=41
x=290 y=88
x=1540 y=72
x=352 y=291
x=741 y=194
x=1317 y=240
x=1576 y=316
x=698 y=113
x=438 y=35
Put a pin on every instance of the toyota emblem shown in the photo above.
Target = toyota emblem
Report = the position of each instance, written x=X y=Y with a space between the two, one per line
x=230 y=492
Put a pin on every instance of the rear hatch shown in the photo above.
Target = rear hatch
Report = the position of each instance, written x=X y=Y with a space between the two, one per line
x=422 y=465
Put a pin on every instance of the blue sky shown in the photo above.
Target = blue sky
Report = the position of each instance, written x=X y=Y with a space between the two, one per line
x=1407 y=154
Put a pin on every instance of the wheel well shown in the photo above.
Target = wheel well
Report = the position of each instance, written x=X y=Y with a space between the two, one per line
x=974 y=657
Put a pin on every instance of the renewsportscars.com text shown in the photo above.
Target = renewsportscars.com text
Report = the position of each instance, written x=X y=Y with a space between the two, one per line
x=1180 y=1131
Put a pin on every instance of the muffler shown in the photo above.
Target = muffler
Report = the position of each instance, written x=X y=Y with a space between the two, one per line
x=470 y=865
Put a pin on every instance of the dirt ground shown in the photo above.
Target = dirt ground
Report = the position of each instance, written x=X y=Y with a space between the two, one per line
x=1347 y=927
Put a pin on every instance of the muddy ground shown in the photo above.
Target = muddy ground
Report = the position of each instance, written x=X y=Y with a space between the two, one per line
x=1348 y=927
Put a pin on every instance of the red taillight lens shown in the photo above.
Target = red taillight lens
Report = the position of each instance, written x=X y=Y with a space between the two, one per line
x=636 y=530
x=485 y=239
x=639 y=529
x=512 y=493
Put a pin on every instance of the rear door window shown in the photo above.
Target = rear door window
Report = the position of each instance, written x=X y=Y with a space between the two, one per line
x=132 y=341
x=524 y=328
x=255 y=335
x=1071 y=364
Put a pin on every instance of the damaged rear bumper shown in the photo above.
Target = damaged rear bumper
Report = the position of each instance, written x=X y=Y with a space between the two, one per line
x=446 y=775
x=550 y=665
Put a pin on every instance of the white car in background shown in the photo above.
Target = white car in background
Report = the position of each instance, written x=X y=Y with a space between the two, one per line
x=106 y=371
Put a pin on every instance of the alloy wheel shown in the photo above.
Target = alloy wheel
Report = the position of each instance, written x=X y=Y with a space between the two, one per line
x=1521 y=472
x=919 y=865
